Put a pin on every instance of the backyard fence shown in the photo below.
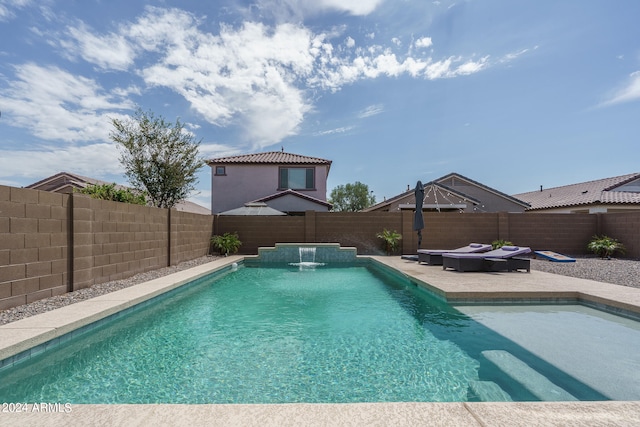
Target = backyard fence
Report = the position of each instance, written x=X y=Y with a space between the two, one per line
x=54 y=243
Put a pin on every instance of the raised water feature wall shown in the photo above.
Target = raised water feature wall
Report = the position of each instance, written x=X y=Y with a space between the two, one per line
x=290 y=253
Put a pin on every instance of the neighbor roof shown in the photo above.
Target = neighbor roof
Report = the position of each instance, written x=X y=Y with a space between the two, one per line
x=514 y=199
x=60 y=181
x=253 y=209
x=271 y=157
x=294 y=193
x=613 y=190
x=439 y=184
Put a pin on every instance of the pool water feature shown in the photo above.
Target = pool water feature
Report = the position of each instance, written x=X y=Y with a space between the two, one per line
x=307 y=258
x=276 y=335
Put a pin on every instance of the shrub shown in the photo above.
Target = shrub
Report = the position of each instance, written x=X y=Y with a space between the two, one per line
x=391 y=240
x=110 y=192
x=497 y=244
x=228 y=243
x=605 y=246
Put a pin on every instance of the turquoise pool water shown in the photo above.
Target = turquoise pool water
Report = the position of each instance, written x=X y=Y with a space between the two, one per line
x=276 y=335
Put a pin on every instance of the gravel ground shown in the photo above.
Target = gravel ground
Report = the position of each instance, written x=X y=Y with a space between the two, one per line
x=623 y=272
x=617 y=271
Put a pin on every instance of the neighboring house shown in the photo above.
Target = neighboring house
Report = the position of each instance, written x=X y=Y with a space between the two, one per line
x=617 y=194
x=65 y=182
x=286 y=182
x=453 y=193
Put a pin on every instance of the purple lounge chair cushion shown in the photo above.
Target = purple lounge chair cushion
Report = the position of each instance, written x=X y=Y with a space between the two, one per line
x=471 y=248
x=509 y=252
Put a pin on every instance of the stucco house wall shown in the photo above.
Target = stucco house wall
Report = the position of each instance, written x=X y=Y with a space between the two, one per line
x=245 y=182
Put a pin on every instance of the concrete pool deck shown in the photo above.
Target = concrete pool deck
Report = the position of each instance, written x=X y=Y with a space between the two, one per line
x=31 y=333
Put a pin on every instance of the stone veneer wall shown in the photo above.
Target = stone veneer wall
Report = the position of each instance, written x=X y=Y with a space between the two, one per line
x=53 y=243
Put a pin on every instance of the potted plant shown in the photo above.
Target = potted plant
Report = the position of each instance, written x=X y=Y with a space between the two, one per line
x=391 y=240
x=228 y=243
x=605 y=246
x=497 y=244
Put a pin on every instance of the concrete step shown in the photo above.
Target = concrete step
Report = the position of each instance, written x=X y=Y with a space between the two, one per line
x=488 y=391
x=536 y=383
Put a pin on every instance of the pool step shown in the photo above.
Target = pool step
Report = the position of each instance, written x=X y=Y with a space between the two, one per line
x=536 y=383
x=488 y=391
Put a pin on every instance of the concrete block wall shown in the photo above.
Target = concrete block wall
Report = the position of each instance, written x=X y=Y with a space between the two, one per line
x=444 y=230
x=624 y=226
x=190 y=235
x=564 y=233
x=34 y=250
x=256 y=231
x=113 y=240
x=357 y=229
x=53 y=243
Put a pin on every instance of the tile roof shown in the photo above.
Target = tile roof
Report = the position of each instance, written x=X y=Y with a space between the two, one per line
x=514 y=199
x=438 y=183
x=293 y=193
x=271 y=157
x=601 y=191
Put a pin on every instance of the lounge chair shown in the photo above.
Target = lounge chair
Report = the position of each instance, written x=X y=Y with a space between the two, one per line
x=505 y=258
x=434 y=256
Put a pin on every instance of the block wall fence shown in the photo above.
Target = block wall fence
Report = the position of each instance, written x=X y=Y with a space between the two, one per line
x=54 y=243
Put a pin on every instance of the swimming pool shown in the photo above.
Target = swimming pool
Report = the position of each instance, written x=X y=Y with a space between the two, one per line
x=273 y=335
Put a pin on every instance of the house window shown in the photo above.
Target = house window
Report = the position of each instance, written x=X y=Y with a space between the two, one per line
x=221 y=170
x=297 y=178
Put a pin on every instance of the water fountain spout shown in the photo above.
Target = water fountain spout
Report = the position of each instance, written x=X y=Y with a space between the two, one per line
x=307 y=256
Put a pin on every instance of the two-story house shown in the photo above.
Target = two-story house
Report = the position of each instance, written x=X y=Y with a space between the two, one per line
x=286 y=182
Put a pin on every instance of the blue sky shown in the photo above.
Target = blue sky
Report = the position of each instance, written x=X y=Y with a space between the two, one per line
x=513 y=94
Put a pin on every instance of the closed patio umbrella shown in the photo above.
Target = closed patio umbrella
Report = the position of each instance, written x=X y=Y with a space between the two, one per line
x=418 y=221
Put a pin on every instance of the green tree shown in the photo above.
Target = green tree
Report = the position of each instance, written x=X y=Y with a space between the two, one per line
x=159 y=159
x=351 y=197
x=111 y=192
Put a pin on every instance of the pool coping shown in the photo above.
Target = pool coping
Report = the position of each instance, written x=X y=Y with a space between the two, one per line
x=457 y=288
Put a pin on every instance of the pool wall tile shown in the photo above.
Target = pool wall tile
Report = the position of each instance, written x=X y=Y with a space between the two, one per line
x=290 y=253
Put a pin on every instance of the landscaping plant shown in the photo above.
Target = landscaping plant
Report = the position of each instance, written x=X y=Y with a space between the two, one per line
x=605 y=246
x=497 y=244
x=391 y=240
x=228 y=243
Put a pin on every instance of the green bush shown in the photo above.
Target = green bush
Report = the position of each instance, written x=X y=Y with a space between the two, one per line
x=391 y=240
x=605 y=246
x=228 y=243
x=110 y=192
x=497 y=244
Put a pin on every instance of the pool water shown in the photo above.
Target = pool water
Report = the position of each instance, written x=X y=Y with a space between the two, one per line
x=283 y=335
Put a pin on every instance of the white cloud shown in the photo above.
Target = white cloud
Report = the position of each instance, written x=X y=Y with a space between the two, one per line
x=630 y=91
x=95 y=160
x=7 y=7
x=353 y=7
x=424 y=42
x=371 y=110
x=349 y=42
x=297 y=10
x=246 y=76
x=343 y=129
x=111 y=51
x=252 y=76
x=56 y=105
